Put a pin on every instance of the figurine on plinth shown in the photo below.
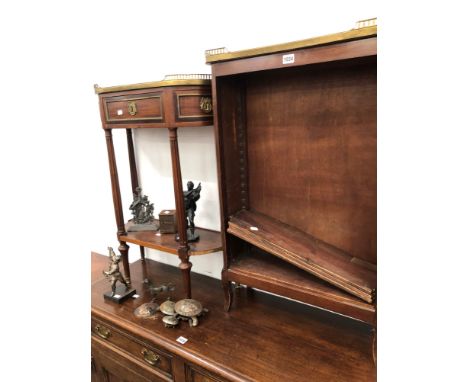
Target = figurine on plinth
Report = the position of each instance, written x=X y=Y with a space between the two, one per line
x=142 y=211
x=191 y=196
x=122 y=292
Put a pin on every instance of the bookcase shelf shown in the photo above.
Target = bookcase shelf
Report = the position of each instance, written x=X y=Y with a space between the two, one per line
x=305 y=252
x=257 y=269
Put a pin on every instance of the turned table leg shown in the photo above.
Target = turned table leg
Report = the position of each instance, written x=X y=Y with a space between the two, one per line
x=123 y=247
x=133 y=173
x=183 y=250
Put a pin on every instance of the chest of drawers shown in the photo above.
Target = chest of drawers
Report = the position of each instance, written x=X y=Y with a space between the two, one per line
x=266 y=338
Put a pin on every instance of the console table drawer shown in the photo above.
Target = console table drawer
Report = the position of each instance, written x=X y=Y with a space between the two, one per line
x=191 y=106
x=142 y=107
x=137 y=348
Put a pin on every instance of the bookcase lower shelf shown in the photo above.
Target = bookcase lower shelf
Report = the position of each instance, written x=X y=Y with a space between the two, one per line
x=305 y=252
x=260 y=270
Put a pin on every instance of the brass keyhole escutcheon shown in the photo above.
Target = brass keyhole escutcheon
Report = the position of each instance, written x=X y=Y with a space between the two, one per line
x=132 y=108
x=205 y=104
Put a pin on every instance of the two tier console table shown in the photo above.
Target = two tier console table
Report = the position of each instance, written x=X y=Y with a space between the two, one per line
x=178 y=101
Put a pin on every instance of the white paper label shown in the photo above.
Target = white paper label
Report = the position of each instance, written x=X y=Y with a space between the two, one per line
x=182 y=340
x=158 y=234
x=117 y=295
x=253 y=228
x=120 y=111
x=136 y=296
x=288 y=58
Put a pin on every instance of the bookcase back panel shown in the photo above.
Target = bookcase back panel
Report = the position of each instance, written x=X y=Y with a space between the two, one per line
x=311 y=144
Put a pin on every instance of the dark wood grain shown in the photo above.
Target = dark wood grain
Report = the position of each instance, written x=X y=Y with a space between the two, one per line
x=329 y=53
x=170 y=107
x=183 y=248
x=304 y=251
x=148 y=108
x=117 y=199
x=318 y=130
x=210 y=241
x=155 y=113
x=296 y=143
x=99 y=263
x=257 y=269
x=114 y=365
x=188 y=106
x=264 y=338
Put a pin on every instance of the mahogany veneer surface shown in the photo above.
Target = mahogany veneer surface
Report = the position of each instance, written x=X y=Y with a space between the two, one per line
x=312 y=152
x=210 y=241
x=304 y=251
x=264 y=338
x=259 y=270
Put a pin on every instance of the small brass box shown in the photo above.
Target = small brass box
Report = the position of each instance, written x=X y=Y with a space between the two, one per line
x=167 y=221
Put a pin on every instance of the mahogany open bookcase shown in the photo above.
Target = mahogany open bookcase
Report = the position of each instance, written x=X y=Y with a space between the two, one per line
x=296 y=142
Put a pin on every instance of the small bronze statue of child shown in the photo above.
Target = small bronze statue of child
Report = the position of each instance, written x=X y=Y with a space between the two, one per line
x=113 y=273
x=191 y=196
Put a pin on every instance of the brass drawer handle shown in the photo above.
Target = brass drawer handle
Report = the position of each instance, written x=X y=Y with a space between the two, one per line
x=132 y=108
x=205 y=105
x=150 y=356
x=102 y=332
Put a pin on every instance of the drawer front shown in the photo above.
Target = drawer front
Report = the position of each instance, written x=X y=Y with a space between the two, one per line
x=112 y=365
x=152 y=356
x=193 y=106
x=196 y=374
x=143 y=107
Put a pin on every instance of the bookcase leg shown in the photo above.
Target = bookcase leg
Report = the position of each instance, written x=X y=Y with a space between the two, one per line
x=142 y=253
x=227 y=292
x=374 y=345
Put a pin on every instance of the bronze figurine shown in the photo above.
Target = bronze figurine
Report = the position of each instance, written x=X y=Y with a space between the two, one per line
x=142 y=211
x=191 y=196
x=114 y=275
x=156 y=289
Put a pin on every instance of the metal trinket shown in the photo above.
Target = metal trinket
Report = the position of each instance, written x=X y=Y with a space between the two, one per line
x=147 y=310
x=191 y=196
x=142 y=211
x=187 y=309
x=122 y=292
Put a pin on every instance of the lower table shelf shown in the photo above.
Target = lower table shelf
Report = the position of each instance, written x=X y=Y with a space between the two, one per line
x=263 y=271
x=210 y=241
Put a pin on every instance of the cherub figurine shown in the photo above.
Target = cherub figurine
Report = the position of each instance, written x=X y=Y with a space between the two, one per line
x=113 y=272
x=191 y=196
